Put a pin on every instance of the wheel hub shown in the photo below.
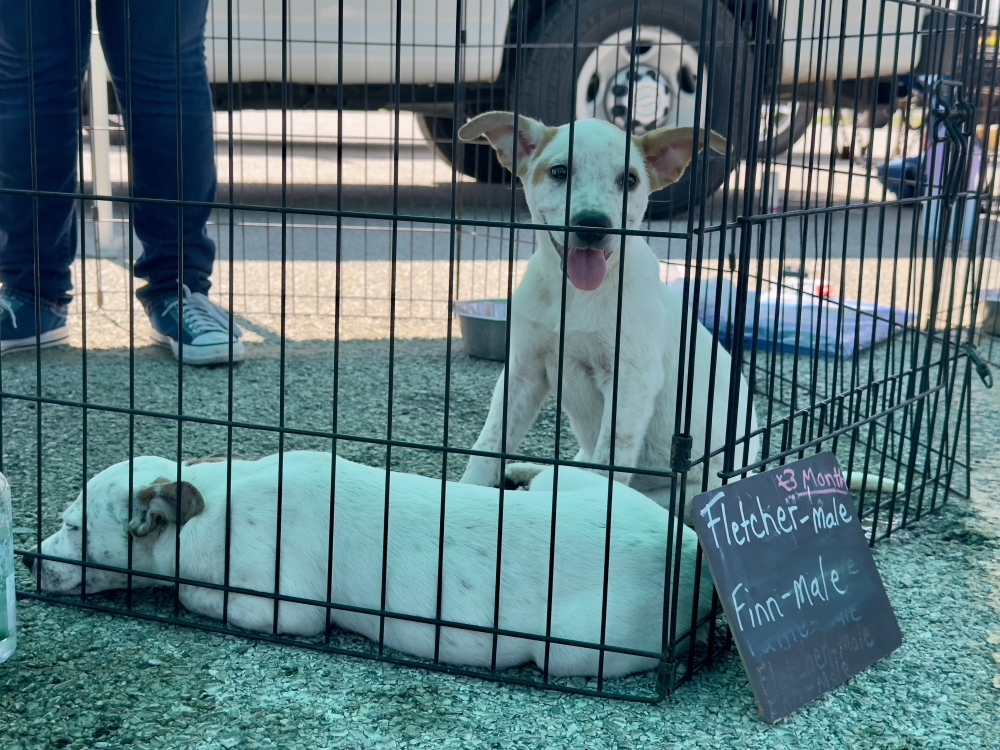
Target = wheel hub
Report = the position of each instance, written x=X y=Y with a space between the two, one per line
x=663 y=70
x=651 y=99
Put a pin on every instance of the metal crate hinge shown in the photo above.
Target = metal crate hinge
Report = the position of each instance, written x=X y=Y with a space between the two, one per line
x=666 y=676
x=982 y=369
x=953 y=117
x=680 y=453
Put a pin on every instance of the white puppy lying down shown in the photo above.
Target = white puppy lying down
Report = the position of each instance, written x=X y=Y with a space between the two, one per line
x=635 y=590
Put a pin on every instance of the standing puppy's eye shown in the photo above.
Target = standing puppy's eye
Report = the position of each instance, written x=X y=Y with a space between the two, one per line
x=71 y=527
x=558 y=172
x=630 y=180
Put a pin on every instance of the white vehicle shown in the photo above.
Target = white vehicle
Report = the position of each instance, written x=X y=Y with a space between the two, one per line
x=524 y=50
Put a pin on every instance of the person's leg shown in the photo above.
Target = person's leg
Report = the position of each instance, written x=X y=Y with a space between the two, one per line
x=146 y=82
x=47 y=86
x=167 y=109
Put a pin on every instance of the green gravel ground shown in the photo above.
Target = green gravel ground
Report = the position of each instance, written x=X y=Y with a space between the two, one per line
x=87 y=680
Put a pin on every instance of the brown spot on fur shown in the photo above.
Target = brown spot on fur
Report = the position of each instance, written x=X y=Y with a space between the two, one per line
x=213 y=459
x=159 y=504
x=532 y=154
x=542 y=169
x=147 y=493
x=548 y=135
x=540 y=172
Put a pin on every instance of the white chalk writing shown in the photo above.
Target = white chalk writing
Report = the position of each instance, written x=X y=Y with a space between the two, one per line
x=745 y=521
x=810 y=588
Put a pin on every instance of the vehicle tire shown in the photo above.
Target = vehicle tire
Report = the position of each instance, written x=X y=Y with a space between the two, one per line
x=666 y=68
x=477 y=160
x=790 y=125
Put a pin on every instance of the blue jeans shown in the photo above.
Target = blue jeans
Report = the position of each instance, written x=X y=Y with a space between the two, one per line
x=140 y=39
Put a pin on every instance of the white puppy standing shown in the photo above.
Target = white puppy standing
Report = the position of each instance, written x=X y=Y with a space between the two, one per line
x=635 y=577
x=650 y=319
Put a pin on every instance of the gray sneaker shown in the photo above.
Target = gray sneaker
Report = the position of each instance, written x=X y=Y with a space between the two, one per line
x=204 y=329
x=17 y=323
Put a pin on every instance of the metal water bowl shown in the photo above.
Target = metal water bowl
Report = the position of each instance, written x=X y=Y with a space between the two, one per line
x=484 y=327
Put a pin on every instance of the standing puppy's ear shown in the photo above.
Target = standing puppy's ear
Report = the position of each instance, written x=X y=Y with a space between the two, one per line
x=667 y=152
x=498 y=127
x=157 y=506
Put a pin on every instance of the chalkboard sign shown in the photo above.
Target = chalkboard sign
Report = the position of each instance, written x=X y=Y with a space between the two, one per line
x=797 y=581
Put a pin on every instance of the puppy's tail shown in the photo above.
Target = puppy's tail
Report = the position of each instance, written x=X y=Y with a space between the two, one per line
x=858 y=481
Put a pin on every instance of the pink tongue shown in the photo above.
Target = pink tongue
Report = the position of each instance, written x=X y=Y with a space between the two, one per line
x=586 y=268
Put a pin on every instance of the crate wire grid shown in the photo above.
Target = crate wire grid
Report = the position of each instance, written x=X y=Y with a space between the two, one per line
x=986 y=288
x=878 y=408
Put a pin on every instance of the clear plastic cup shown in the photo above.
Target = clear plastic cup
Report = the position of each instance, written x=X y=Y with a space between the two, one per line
x=8 y=623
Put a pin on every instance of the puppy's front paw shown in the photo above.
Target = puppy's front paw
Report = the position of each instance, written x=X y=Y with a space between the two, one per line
x=482 y=471
x=519 y=476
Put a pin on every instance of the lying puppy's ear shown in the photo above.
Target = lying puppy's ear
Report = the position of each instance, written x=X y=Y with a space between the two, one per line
x=158 y=504
x=498 y=127
x=667 y=152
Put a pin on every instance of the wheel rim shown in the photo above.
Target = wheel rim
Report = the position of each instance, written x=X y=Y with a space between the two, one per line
x=779 y=122
x=666 y=81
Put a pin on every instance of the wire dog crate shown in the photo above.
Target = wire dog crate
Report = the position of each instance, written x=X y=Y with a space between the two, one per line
x=841 y=250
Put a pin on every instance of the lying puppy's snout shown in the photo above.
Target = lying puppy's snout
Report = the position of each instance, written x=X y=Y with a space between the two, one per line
x=594 y=222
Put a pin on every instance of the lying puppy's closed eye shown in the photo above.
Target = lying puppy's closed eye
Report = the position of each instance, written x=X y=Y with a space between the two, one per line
x=157 y=506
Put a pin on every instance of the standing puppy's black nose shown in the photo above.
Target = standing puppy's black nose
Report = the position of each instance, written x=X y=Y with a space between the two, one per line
x=593 y=221
x=29 y=562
